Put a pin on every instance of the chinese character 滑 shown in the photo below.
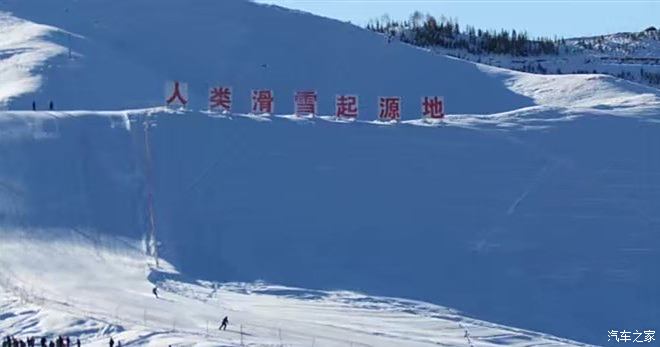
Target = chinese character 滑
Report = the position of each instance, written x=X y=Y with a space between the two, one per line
x=262 y=101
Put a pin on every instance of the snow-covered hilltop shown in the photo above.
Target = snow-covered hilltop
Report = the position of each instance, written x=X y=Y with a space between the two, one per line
x=532 y=204
x=630 y=56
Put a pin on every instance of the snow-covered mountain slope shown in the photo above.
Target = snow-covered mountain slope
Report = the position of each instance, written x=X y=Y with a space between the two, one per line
x=537 y=226
x=119 y=61
x=23 y=51
x=630 y=45
x=633 y=56
x=531 y=205
x=79 y=284
x=123 y=61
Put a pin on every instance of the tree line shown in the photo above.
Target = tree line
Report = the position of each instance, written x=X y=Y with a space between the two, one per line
x=427 y=31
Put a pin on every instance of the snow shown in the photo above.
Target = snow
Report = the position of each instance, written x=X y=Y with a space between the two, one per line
x=23 y=50
x=532 y=204
x=89 y=286
x=580 y=91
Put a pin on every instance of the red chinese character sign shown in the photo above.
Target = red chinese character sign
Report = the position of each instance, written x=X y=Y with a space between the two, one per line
x=220 y=99
x=389 y=108
x=346 y=106
x=176 y=94
x=433 y=107
x=304 y=103
x=263 y=101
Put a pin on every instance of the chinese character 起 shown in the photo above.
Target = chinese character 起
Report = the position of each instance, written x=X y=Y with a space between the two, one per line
x=346 y=106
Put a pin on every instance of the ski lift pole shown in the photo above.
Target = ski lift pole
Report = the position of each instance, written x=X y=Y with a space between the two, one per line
x=152 y=245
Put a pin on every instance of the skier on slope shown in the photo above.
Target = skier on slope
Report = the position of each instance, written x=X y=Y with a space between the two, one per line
x=223 y=325
x=155 y=291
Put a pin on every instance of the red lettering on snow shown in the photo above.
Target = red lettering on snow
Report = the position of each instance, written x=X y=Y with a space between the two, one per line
x=433 y=107
x=346 y=106
x=305 y=103
x=262 y=101
x=176 y=94
x=390 y=108
x=220 y=97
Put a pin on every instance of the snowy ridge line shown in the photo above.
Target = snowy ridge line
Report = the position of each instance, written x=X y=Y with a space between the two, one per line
x=31 y=123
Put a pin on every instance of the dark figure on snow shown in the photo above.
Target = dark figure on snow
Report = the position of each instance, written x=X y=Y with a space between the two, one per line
x=78 y=342
x=43 y=342
x=51 y=344
x=112 y=342
x=223 y=325
x=34 y=105
x=155 y=291
x=67 y=342
x=51 y=106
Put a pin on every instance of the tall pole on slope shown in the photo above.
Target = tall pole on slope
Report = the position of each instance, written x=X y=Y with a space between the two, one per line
x=152 y=245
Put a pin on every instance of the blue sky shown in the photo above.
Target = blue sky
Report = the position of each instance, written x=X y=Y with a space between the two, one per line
x=563 y=18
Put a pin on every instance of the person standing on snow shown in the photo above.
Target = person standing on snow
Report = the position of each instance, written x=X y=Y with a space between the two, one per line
x=223 y=325
x=155 y=291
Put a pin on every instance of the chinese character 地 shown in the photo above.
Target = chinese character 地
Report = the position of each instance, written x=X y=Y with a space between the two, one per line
x=390 y=108
x=220 y=99
x=433 y=107
x=346 y=106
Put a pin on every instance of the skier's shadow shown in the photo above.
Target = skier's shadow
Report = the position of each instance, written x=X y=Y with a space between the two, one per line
x=237 y=332
x=164 y=299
